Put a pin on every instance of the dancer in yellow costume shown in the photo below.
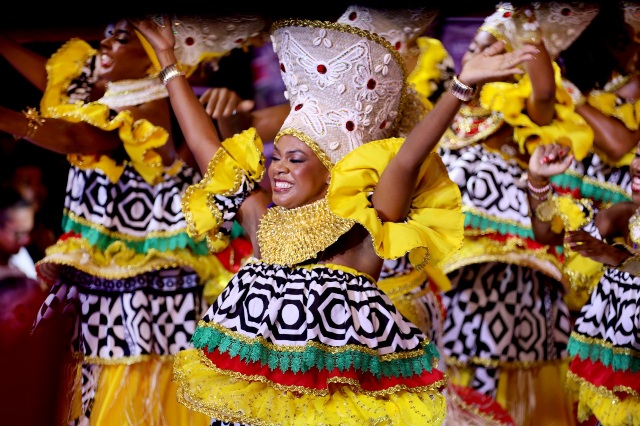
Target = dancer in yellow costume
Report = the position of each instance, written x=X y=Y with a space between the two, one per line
x=302 y=335
x=506 y=324
x=125 y=272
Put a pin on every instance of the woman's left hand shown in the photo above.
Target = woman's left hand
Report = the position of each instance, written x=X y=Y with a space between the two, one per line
x=588 y=246
x=493 y=64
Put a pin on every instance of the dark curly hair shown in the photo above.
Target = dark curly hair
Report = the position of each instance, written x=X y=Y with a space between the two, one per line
x=590 y=60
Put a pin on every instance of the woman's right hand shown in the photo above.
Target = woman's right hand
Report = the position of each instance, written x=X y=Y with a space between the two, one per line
x=549 y=160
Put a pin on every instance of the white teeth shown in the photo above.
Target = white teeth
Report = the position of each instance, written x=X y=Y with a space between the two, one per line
x=105 y=59
x=283 y=185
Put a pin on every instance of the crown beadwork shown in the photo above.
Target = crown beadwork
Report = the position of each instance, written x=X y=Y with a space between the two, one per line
x=560 y=24
x=398 y=26
x=345 y=85
x=209 y=38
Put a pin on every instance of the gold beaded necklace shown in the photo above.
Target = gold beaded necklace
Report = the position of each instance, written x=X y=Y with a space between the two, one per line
x=292 y=236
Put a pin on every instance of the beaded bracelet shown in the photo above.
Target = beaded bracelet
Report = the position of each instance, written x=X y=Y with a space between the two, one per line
x=538 y=190
x=34 y=121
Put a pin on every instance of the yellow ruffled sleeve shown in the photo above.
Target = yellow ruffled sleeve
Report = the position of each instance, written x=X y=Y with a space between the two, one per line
x=234 y=171
x=433 y=230
x=567 y=128
x=139 y=137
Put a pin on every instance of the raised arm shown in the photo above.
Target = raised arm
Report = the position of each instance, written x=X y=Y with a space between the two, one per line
x=546 y=161
x=28 y=63
x=393 y=194
x=540 y=106
x=197 y=127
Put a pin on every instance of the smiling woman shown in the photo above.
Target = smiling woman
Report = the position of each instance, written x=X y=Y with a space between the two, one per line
x=125 y=266
x=302 y=334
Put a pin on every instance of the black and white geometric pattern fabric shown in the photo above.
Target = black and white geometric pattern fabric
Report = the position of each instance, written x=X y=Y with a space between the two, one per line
x=293 y=306
x=503 y=313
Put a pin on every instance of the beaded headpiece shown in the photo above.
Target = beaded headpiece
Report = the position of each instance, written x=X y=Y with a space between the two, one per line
x=398 y=26
x=345 y=86
x=209 y=38
x=560 y=24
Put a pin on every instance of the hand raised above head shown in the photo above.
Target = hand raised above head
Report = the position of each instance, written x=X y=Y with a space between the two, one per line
x=157 y=30
x=496 y=64
x=549 y=160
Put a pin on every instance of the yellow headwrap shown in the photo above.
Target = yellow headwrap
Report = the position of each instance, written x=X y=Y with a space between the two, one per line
x=155 y=64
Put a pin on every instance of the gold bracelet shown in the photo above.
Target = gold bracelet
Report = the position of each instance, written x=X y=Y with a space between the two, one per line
x=631 y=265
x=35 y=121
x=170 y=72
x=546 y=211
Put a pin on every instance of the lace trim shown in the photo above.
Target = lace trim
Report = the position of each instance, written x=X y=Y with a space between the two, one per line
x=314 y=355
x=125 y=93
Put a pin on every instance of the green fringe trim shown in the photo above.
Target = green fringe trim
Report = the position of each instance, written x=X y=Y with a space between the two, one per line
x=486 y=224
x=168 y=243
x=313 y=357
x=615 y=361
x=589 y=188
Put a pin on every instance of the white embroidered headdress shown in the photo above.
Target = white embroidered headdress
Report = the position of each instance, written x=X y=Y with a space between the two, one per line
x=345 y=86
x=209 y=38
x=632 y=16
x=398 y=26
x=560 y=23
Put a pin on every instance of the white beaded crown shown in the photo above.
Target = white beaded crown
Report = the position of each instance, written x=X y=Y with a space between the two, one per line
x=345 y=86
x=632 y=15
x=209 y=38
x=398 y=26
x=560 y=23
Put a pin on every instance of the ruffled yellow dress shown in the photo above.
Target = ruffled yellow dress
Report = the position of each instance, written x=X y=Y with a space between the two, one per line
x=507 y=323
x=293 y=342
x=125 y=268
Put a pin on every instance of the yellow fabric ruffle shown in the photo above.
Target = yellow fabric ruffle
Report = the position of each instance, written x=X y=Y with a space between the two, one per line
x=567 y=128
x=427 y=71
x=119 y=261
x=240 y=155
x=603 y=404
x=141 y=394
x=480 y=249
x=209 y=390
x=627 y=112
x=581 y=272
x=433 y=229
x=139 y=137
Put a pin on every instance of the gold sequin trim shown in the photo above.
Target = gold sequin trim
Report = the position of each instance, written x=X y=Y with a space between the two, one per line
x=603 y=343
x=292 y=236
x=126 y=360
x=319 y=392
x=600 y=390
x=416 y=353
x=505 y=365
x=324 y=158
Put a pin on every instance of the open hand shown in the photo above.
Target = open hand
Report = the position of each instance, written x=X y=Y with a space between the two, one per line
x=158 y=31
x=495 y=65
